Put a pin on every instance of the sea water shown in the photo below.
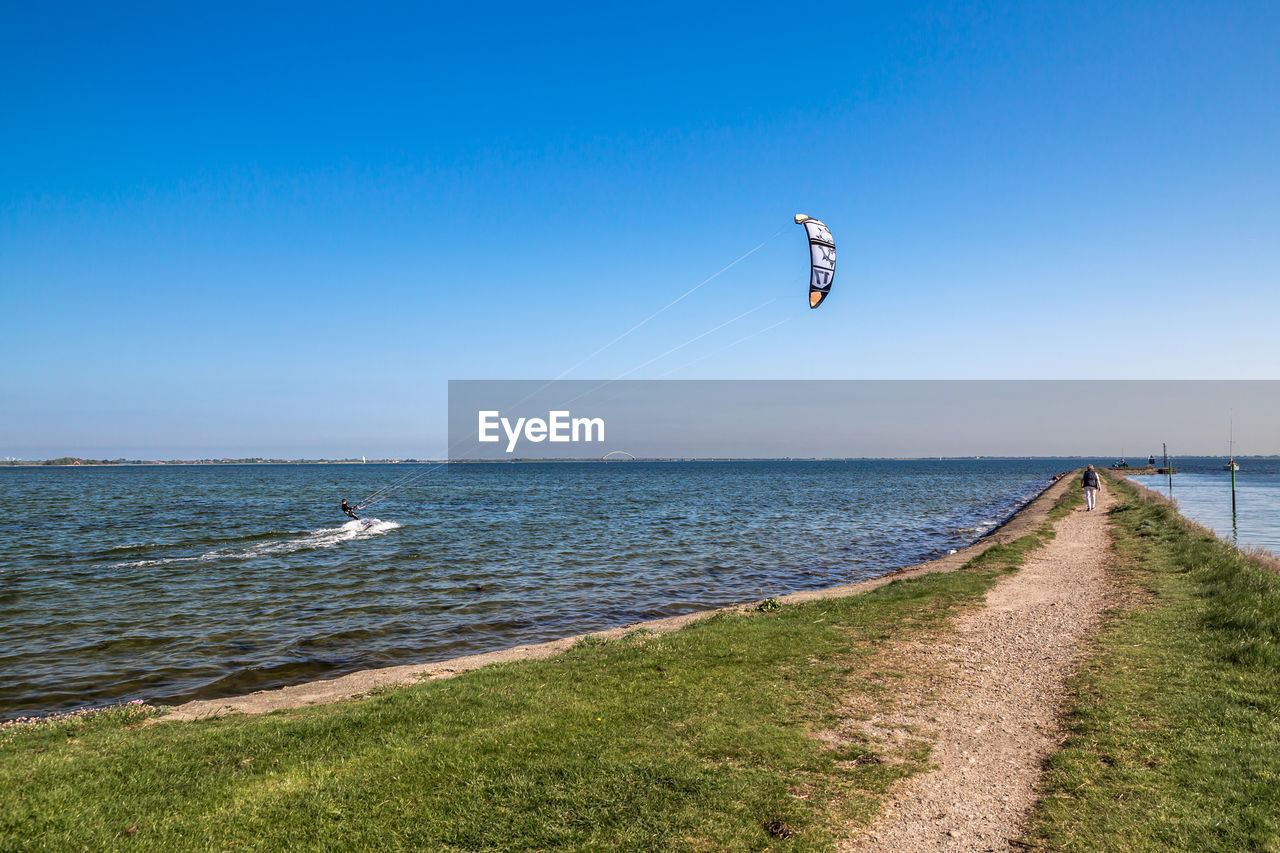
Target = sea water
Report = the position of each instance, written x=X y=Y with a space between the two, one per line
x=167 y=583
x=1202 y=490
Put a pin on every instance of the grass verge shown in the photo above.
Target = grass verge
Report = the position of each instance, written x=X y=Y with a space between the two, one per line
x=1174 y=740
x=695 y=740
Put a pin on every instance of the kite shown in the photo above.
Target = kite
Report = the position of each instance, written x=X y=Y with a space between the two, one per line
x=822 y=258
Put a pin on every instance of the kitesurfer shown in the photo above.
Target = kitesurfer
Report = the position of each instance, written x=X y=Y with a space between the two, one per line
x=1089 y=480
x=349 y=509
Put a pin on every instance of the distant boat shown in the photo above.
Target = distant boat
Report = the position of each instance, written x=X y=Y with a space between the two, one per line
x=1232 y=465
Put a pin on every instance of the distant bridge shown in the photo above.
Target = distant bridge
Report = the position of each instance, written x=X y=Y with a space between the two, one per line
x=618 y=456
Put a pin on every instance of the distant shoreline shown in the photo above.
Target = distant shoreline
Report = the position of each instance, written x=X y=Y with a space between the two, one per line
x=203 y=463
x=193 y=463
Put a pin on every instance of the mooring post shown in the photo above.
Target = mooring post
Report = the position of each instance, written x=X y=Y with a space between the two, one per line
x=1232 y=463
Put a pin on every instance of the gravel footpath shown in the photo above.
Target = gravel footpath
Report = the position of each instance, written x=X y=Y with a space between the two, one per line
x=990 y=700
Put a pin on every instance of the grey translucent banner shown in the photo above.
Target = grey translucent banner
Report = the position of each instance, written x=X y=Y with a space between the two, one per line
x=836 y=419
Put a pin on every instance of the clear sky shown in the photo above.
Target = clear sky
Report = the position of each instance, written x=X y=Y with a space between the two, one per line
x=280 y=229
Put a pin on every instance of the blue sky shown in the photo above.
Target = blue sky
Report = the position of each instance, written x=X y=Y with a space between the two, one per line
x=280 y=229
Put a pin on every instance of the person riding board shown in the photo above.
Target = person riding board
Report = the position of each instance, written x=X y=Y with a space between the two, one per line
x=349 y=509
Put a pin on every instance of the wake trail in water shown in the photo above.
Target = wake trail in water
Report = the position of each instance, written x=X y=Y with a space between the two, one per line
x=325 y=537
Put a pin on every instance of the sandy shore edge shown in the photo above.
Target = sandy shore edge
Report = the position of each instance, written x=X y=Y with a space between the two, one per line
x=357 y=684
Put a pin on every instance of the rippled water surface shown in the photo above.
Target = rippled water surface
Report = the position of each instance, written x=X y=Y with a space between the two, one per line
x=1203 y=492
x=168 y=583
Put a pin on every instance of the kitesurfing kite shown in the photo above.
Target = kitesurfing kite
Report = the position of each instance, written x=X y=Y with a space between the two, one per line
x=822 y=258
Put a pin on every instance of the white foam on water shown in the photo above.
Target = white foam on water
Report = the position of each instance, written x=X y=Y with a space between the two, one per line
x=134 y=564
x=978 y=529
x=325 y=537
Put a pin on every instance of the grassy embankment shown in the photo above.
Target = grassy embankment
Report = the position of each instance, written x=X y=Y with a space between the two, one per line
x=700 y=739
x=1175 y=737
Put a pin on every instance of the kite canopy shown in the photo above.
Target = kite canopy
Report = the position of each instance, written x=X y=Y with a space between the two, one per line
x=822 y=258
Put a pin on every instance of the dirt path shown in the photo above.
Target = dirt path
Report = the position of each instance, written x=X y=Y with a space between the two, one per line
x=990 y=700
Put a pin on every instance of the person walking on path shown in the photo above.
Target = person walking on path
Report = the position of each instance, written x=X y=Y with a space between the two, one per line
x=1089 y=480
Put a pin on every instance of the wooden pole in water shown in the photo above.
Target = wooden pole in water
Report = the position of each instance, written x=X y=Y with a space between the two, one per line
x=1233 y=488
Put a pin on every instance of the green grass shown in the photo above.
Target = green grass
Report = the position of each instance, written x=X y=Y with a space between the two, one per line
x=1175 y=735
x=699 y=739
